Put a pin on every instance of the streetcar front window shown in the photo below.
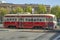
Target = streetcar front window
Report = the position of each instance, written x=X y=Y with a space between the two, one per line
x=55 y=19
x=51 y=19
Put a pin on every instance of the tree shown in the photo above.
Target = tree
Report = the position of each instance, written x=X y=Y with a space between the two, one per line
x=17 y=10
x=56 y=11
x=41 y=9
x=14 y=11
x=3 y=11
x=28 y=9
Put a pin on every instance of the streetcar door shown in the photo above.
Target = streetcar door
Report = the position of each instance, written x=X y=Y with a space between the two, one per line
x=21 y=22
x=27 y=22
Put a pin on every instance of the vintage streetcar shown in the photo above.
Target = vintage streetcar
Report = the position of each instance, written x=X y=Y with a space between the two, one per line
x=34 y=21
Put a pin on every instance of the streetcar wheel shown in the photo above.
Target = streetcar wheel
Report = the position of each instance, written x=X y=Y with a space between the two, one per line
x=36 y=27
x=12 y=27
x=50 y=28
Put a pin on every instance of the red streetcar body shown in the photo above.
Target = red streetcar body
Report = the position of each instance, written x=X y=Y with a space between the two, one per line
x=29 y=20
x=6 y=24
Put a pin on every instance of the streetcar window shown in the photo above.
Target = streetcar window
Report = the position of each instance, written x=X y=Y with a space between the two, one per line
x=54 y=19
x=7 y=19
x=34 y=19
x=38 y=19
x=10 y=19
x=28 y=19
x=15 y=19
x=42 y=19
x=21 y=19
x=49 y=19
x=31 y=19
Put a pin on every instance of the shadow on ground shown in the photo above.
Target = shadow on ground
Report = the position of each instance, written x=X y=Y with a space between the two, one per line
x=54 y=37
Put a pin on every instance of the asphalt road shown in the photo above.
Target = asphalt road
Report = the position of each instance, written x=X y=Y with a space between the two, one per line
x=32 y=35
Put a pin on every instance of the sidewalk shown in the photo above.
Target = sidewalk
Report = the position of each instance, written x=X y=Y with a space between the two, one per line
x=1 y=25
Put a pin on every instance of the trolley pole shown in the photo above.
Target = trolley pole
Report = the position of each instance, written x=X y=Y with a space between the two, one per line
x=32 y=10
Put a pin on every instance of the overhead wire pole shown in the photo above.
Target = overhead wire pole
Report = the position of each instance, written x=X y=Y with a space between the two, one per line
x=32 y=10
x=32 y=13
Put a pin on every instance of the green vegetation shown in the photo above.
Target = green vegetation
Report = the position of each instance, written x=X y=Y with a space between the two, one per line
x=56 y=11
x=17 y=10
x=28 y=9
x=3 y=11
x=41 y=9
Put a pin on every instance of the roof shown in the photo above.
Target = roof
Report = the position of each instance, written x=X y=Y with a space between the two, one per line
x=30 y=15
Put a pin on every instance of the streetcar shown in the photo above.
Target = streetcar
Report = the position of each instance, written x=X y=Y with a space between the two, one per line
x=34 y=21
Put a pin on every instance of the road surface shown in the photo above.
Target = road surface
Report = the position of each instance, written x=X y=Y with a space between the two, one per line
x=21 y=35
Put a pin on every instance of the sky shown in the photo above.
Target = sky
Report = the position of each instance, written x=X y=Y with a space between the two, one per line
x=45 y=2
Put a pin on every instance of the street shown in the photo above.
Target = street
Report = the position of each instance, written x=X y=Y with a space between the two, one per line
x=23 y=34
